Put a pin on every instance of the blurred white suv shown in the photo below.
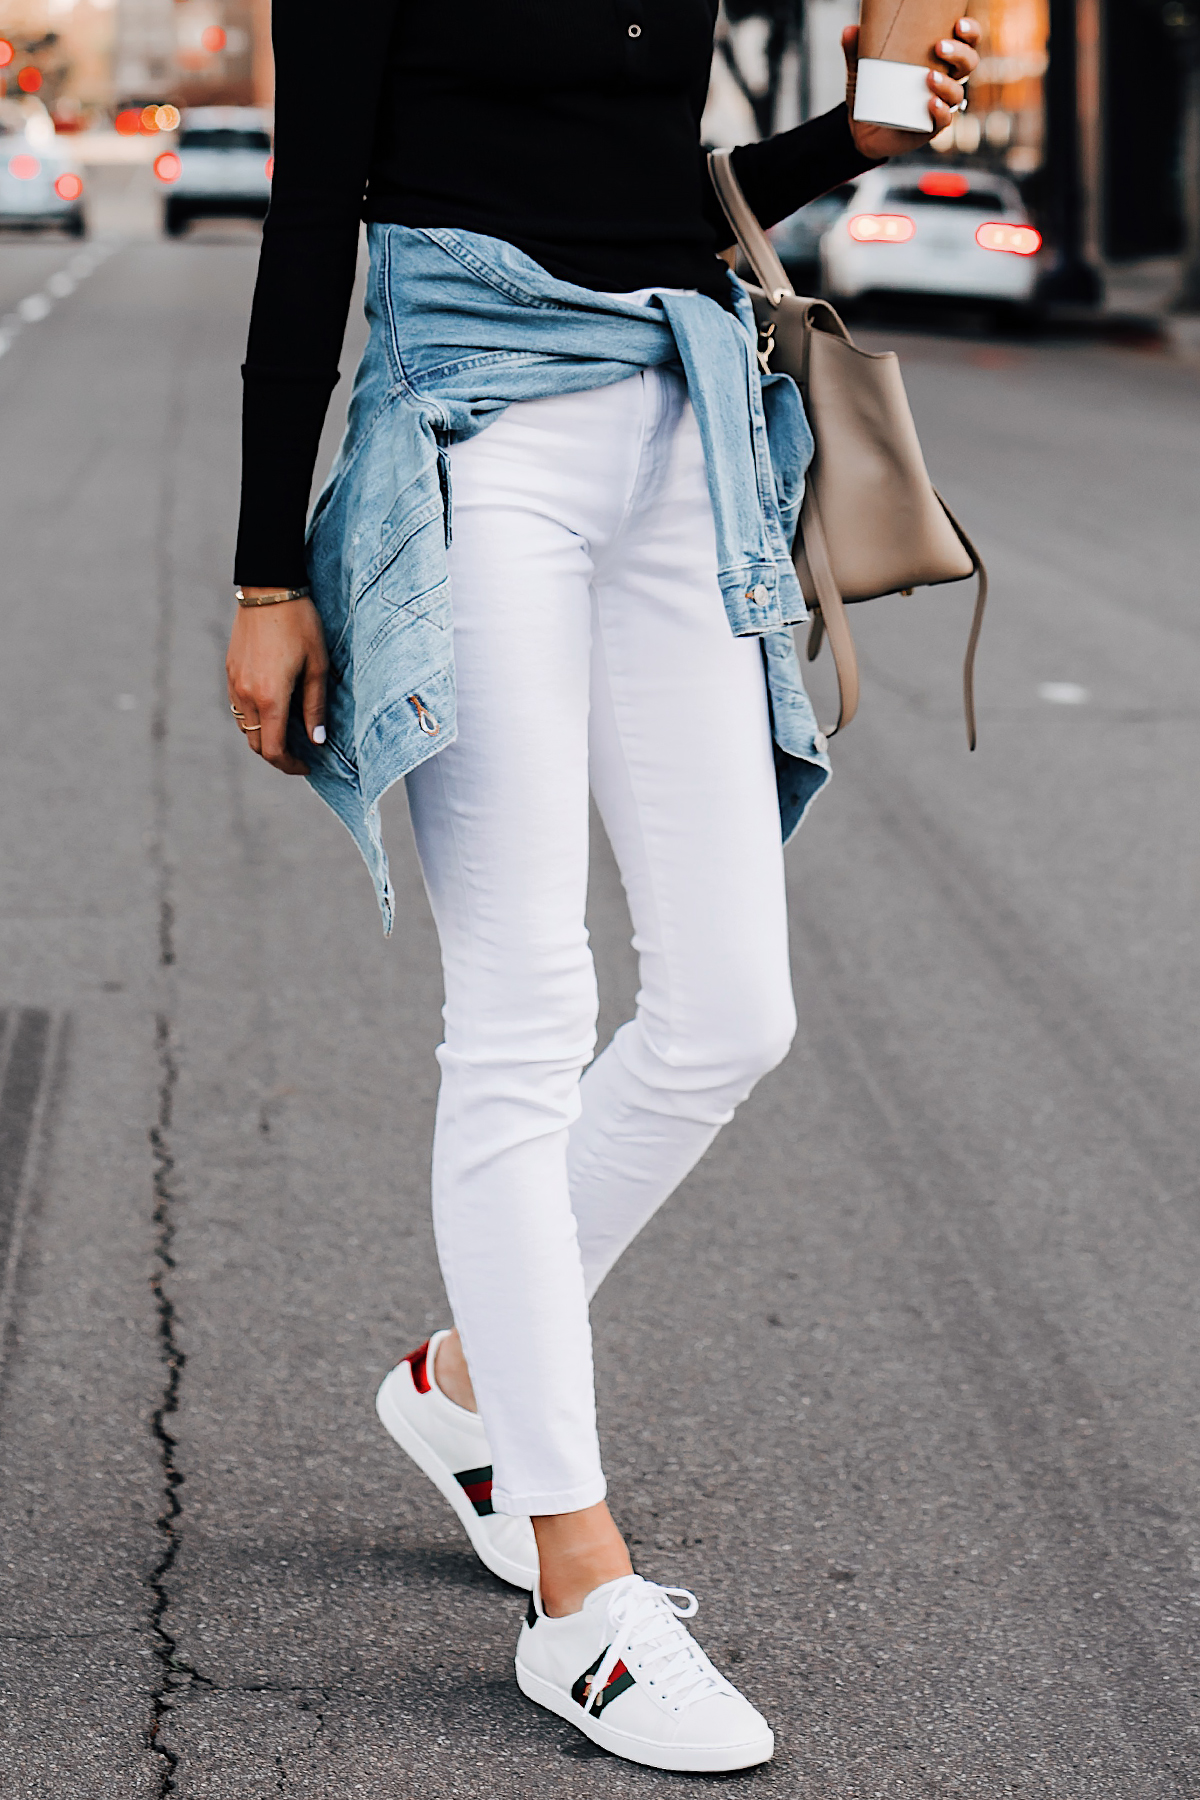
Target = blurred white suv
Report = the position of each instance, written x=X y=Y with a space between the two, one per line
x=40 y=185
x=932 y=230
x=219 y=167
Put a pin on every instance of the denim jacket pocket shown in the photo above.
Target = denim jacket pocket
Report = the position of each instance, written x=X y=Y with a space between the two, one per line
x=414 y=512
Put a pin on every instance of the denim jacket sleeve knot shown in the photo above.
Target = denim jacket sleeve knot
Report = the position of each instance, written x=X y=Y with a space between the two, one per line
x=462 y=326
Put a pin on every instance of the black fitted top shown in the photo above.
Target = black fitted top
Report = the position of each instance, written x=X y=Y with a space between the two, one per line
x=570 y=128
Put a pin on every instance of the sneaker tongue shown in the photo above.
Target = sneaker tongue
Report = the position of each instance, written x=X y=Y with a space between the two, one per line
x=599 y=1597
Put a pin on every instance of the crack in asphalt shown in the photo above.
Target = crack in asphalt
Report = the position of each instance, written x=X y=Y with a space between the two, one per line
x=174 y=1673
x=165 y=1647
x=176 y=1676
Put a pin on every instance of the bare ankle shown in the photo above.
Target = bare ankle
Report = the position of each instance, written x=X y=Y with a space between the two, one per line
x=577 y=1553
x=451 y=1374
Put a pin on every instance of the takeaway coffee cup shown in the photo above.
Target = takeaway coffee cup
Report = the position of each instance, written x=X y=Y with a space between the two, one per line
x=896 y=41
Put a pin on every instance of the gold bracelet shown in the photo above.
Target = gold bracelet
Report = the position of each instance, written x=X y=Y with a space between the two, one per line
x=274 y=598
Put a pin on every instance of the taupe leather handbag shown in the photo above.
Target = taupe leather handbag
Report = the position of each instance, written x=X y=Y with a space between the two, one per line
x=872 y=522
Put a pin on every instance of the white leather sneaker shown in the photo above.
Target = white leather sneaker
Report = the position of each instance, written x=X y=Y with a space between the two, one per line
x=450 y=1445
x=630 y=1675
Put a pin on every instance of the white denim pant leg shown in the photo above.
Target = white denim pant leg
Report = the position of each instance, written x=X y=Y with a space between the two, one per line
x=586 y=605
x=682 y=770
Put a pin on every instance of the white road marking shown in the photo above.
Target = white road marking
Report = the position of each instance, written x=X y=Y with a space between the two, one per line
x=1063 y=693
x=36 y=307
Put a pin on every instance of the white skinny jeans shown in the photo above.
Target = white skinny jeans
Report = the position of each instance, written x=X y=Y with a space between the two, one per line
x=591 y=646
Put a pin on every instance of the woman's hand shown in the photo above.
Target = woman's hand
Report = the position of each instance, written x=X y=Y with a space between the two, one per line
x=945 y=92
x=271 y=648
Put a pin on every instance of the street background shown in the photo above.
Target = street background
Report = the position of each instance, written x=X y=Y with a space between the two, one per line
x=903 y=1382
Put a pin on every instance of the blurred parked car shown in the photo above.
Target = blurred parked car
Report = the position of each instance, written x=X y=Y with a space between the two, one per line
x=220 y=167
x=41 y=187
x=932 y=230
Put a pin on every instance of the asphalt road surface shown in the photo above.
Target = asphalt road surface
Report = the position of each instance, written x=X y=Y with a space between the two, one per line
x=904 y=1383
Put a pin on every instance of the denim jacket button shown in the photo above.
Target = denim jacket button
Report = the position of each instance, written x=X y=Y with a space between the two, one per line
x=820 y=743
x=760 y=595
x=635 y=31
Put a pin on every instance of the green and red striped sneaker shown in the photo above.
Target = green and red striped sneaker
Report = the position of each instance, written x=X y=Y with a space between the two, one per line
x=450 y=1445
x=629 y=1674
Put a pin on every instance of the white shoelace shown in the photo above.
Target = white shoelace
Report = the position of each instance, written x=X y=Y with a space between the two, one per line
x=648 y=1634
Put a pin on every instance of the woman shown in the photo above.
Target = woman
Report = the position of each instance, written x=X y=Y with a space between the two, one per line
x=562 y=370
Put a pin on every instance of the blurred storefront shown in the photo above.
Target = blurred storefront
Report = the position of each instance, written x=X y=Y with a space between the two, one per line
x=1143 y=149
x=1006 y=117
x=87 y=59
x=61 y=52
x=1117 y=112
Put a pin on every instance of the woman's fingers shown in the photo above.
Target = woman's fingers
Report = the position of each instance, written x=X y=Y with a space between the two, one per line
x=245 y=716
x=263 y=724
x=948 y=93
x=314 y=699
x=959 y=59
x=273 y=741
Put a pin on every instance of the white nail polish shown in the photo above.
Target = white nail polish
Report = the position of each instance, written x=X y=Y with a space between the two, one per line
x=318 y=734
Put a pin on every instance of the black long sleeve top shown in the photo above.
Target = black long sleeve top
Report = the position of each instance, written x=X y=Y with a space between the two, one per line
x=571 y=130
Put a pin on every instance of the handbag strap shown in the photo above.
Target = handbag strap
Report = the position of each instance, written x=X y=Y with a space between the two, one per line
x=831 y=621
x=760 y=252
x=981 y=594
x=757 y=247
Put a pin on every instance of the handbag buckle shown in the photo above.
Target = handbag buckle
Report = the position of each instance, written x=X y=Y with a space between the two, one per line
x=766 y=345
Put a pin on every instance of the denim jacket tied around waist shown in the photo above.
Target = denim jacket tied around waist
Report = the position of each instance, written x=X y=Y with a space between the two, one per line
x=461 y=326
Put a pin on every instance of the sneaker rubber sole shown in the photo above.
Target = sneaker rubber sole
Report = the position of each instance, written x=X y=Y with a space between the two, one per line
x=700 y=1759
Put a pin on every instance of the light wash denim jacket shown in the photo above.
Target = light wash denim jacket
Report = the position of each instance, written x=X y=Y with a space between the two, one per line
x=462 y=326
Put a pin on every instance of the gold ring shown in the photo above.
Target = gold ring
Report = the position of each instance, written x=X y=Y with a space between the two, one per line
x=233 y=709
x=245 y=728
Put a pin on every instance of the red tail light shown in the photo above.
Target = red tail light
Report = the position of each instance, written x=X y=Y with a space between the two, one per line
x=1018 y=240
x=24 y=168
x=269 y=168
x=946 y=183
x=167 y=166
x=68 y=187
x=128 y=123
x=881 y=228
